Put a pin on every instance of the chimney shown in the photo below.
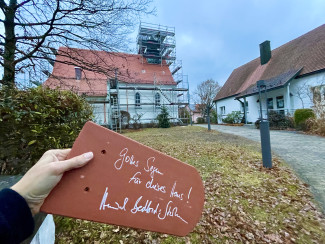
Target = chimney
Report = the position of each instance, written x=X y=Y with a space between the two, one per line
x=78 y=72
x=265 y=52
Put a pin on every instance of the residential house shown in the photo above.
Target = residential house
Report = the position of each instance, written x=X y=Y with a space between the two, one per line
x=195 y=112
x=294 y=77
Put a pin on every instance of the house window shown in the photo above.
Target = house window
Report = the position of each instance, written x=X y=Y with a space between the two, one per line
x=137 y=100
x=280 y=102
x=270 y=103
x=223 y=110
x=157 y=100
x=112 y=83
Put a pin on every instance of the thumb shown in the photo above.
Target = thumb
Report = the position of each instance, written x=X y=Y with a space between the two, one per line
x=72 y=163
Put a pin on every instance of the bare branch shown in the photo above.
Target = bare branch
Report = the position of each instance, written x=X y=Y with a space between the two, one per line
x=3 y=5
x=40 y=43
x=42 y=26
x=22 y=3
x=206 y=92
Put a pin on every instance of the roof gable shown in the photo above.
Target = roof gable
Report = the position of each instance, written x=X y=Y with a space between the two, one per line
x=306 y=51
x=131 y=69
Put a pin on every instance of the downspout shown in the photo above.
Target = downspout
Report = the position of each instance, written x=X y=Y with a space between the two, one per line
x=127 y=99
x=245 y=110
x=106 y=113
x=215 y=103
x=288 y=99
x=244 y=105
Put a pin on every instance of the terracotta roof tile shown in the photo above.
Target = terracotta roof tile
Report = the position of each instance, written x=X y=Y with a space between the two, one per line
x=307 y=51
x=132 y=69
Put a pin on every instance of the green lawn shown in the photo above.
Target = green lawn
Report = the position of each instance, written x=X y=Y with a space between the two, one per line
x=244 y=202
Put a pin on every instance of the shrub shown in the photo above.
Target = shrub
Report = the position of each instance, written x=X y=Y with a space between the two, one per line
x=257 y=124
x=280 y=121
x=200 y=120
x=214 y=117
x=234 y=117
x=151 y=124
x=316 y=124
x=163 y=118
x=136 y=120
x=125 y=119
x=35 y=120
x=301 y=116
x=277 y=121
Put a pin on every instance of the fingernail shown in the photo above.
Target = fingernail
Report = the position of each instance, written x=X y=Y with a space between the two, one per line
x=88 y=155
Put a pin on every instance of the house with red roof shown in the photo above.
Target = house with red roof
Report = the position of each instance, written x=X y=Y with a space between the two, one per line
x=293 y=74
x=120 y=83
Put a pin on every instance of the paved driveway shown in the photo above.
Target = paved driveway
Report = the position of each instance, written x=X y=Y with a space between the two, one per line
x=305 y=153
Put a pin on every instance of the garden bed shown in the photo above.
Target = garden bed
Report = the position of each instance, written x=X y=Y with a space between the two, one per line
x=241 y=124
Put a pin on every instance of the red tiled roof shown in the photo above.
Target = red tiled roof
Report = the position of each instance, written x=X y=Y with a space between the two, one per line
x=307 y=51
x=132 y=69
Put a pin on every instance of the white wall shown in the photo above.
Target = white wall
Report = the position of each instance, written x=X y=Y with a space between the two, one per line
x=150 y=112
x=102 y=112
x=302 y=96
x=230 y=105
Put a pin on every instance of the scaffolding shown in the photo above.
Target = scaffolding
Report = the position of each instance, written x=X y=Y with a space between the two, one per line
x=157 y=43
x=157 y=46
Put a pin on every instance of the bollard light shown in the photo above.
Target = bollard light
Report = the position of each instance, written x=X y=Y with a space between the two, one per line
x=264 y=128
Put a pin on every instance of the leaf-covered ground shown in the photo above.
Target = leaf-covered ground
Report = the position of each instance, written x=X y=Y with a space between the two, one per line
x=245 y=203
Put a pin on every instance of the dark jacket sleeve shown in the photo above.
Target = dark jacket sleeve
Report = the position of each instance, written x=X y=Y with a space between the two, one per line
x=16 y=220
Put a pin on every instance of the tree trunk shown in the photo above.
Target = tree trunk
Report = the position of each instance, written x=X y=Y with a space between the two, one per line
x=10 y=46
x=208 y=119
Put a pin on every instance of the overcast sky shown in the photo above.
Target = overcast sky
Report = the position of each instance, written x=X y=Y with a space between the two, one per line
x=213 y=37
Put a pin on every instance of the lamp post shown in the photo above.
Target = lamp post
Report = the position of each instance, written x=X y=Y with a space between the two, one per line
x=264 y=128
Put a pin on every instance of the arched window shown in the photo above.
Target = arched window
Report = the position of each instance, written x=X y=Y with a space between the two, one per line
x=137 y=99
x=157 y=100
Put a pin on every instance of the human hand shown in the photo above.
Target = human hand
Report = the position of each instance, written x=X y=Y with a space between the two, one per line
x=38 y=182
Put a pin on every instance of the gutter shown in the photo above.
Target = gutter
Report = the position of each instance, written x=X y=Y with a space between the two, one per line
x=225 y=97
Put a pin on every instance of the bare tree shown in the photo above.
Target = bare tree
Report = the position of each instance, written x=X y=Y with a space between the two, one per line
x=205 y=93
x=34 y=29
x=310 y=93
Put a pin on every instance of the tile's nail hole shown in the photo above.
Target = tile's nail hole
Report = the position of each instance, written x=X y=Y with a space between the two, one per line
x=103 y=151
x=86 y=188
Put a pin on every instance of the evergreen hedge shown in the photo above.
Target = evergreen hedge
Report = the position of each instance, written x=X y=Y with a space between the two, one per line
x=200 y=120
x=301 y=116
x=163 y=118
x=35 y=120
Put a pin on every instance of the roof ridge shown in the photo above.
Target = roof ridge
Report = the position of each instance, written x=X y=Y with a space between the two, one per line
x=103 y=51
x=305 y=51
x=323 y=25
x=303 y=35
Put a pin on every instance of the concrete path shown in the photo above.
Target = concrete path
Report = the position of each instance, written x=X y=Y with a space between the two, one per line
x=305 y=153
